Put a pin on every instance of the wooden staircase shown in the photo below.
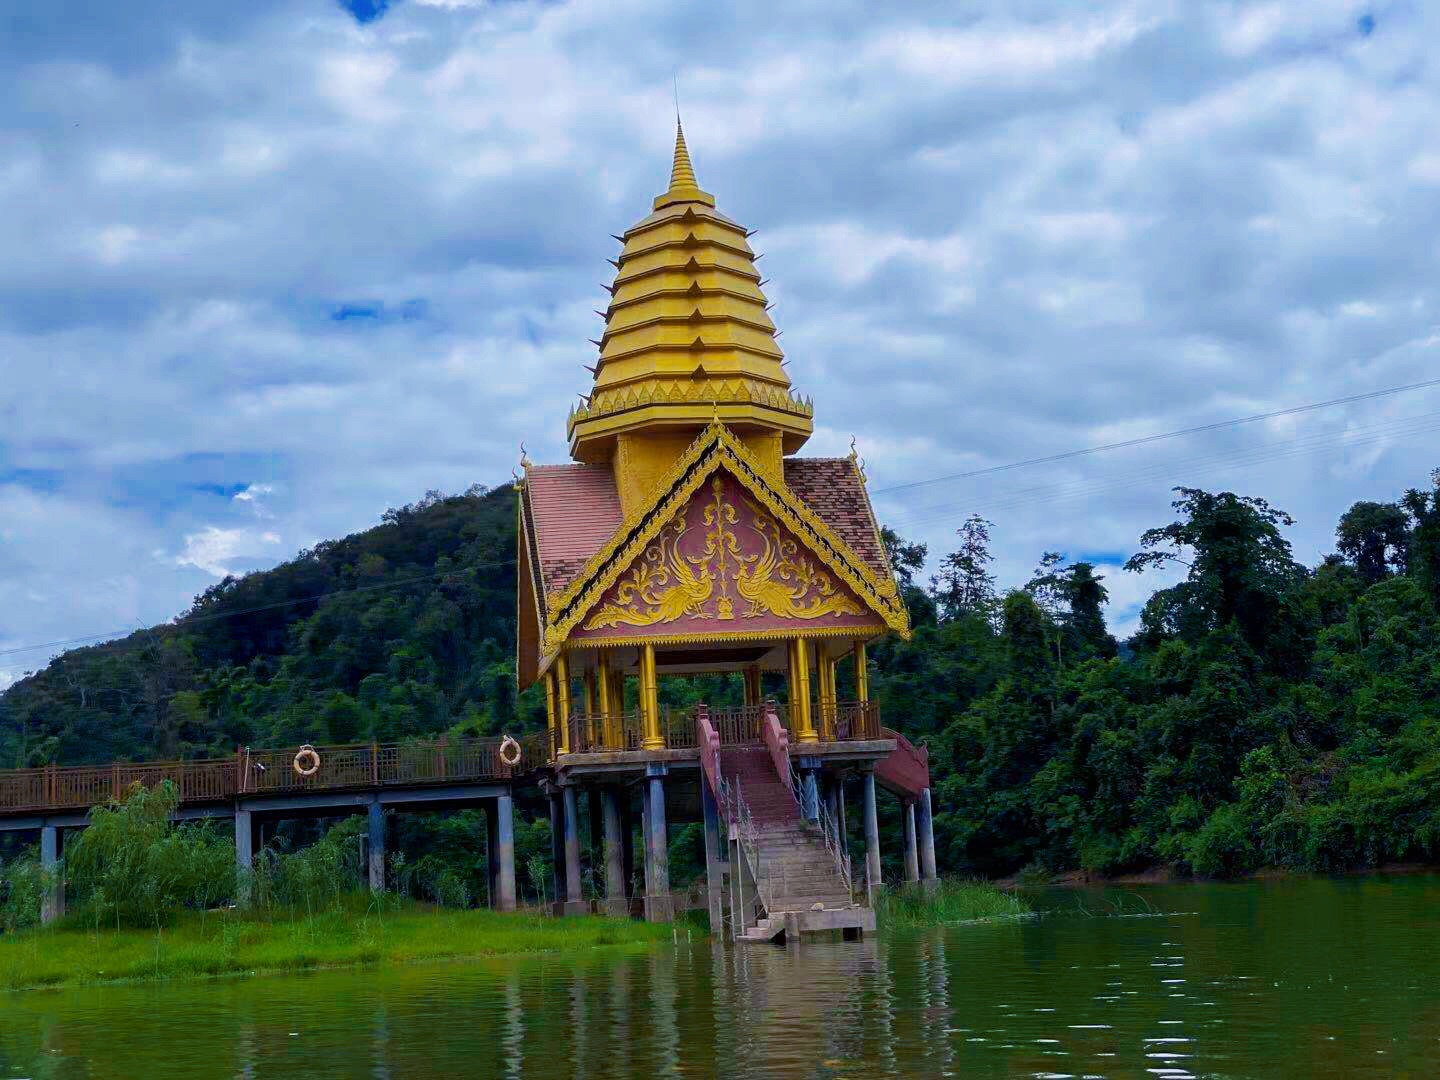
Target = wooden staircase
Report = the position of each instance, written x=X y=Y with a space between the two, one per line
x=802 y=889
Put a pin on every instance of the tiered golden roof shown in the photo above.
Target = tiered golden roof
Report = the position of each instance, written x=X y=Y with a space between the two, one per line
x=687 y=338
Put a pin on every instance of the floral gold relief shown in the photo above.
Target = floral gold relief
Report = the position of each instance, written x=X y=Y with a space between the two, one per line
x=723 y=558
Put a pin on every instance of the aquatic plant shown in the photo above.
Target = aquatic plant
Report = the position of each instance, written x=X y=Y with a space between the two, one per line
x=952 y=900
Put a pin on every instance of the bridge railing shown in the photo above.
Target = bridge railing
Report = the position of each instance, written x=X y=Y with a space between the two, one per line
x=267 y=771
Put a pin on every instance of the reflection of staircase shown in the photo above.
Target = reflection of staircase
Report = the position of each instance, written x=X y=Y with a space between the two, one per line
x=799 y=883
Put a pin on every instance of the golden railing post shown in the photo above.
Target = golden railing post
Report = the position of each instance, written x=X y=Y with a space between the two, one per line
x=800 y=718
x=562 y=700
x=650 y=701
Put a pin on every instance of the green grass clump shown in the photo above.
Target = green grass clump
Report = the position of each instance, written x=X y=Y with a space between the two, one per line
x=236 y=943
x=951 y=901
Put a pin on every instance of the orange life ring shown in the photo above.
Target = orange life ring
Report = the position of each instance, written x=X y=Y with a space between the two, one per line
x=510 y=751
x=311 y=758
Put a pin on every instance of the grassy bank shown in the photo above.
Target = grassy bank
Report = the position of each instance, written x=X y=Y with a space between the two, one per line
x=951 y=901
x=228 y=943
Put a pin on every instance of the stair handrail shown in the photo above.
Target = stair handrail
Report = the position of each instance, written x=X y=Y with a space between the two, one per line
x=709 y=740
x=777 y=741
x=742 y=824
x=829 y=831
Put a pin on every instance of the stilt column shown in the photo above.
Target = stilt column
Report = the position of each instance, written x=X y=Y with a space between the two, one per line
x=574 y=896
x=615 y=902
x=659 y=906
x=872 y=834
x=377 y=847
x=714 y=859
x=925 y=829
x=244 y=856
x=557 y=850
x=52 y=904
x=912 y=858
x=505 y=852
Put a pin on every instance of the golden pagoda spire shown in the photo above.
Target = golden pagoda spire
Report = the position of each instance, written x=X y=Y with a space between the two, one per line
x=683 y=186
x=688 y=340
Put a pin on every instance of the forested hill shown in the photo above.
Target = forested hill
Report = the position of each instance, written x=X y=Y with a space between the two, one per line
x=412 y=633
x=1266 y=712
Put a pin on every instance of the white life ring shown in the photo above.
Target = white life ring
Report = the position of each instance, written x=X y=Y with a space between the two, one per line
x=510 y=751
x=311 y=758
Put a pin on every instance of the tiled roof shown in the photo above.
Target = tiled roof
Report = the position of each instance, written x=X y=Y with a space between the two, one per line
x=575 y=509
x=832 y=488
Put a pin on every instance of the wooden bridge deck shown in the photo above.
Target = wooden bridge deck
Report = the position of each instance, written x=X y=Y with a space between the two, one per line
x=355 y=767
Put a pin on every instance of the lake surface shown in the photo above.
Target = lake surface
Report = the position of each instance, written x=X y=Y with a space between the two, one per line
x=1287 y=978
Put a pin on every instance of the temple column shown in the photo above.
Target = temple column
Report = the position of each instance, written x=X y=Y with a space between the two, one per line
x=800 y=721
x=562 y=701
x=615 y=902
x=606 y=696
x=650 y=700
x=825 y=691
x=574 y=894
x=925 y=828
x=52 y=903
x=591 y=709
x=557 y=849
x=492 y=852
x=912 y=858
x=376 y=854
x=659 y=905
x=714 y=863
x=752 y=686
x=550 y=712
x=504 y=815
x=872 y=833
x=862 y=673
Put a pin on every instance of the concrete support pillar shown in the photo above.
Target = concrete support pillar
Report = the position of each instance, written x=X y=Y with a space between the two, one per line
x=574 y=895
x=244 y=857
x=504 y=816
x=627 y=839
x=557 y=850
x=832 y=805
x=597 y=843
x=52 y=904
x=925 y=830
x=912 y=857
x=715 y=861
x=809 y=769
x=842 y=827
x=650 y=700
x=872 y=834
x=377 y=847
x=615 y=901
x=659 y=906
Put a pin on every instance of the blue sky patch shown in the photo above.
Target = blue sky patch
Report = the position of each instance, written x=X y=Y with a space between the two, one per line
x=1365 y=24
x=365 y=11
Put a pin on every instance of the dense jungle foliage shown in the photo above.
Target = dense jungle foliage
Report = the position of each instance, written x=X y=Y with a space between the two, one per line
x=1266 y=713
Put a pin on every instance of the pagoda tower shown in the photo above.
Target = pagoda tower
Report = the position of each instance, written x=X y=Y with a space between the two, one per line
x=686 y=538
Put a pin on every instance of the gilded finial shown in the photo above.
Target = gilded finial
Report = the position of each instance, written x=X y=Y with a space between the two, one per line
x=525 y=461
x=683 y=185
x=854 y=452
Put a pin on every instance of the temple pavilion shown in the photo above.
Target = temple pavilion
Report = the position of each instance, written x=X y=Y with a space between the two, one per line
x=687 y=537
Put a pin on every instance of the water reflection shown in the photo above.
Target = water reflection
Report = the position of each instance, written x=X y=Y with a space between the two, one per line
x=1313 y=978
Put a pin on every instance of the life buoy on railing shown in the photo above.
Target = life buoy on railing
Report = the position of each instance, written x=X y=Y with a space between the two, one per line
x=510 y=751
x=307 y=761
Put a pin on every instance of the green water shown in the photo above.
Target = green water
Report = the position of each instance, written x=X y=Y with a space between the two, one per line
x=1292 y=978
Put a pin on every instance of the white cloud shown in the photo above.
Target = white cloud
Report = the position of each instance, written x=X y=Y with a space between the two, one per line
x=216 y=550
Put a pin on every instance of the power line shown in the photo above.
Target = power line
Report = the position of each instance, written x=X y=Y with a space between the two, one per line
x=1144 y=439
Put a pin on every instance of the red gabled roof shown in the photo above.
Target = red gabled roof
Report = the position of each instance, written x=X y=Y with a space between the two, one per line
x=832 y=488
x=575 y=509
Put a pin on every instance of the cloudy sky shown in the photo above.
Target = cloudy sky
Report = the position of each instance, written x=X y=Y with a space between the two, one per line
x=268 y=268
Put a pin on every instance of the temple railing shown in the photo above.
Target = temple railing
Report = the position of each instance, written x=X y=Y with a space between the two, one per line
x=268 y=771
x=745 y=724
x=852 y=720
x=597 y=733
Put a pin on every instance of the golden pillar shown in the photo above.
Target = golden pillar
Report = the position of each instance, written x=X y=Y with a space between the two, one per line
x=825 y=676
x=550 y=710
x=650 y=701
x=591 y=710
x=800 y=720
x=753 y=686
x=606 y=695
x=862 y=674
x=562 y=700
